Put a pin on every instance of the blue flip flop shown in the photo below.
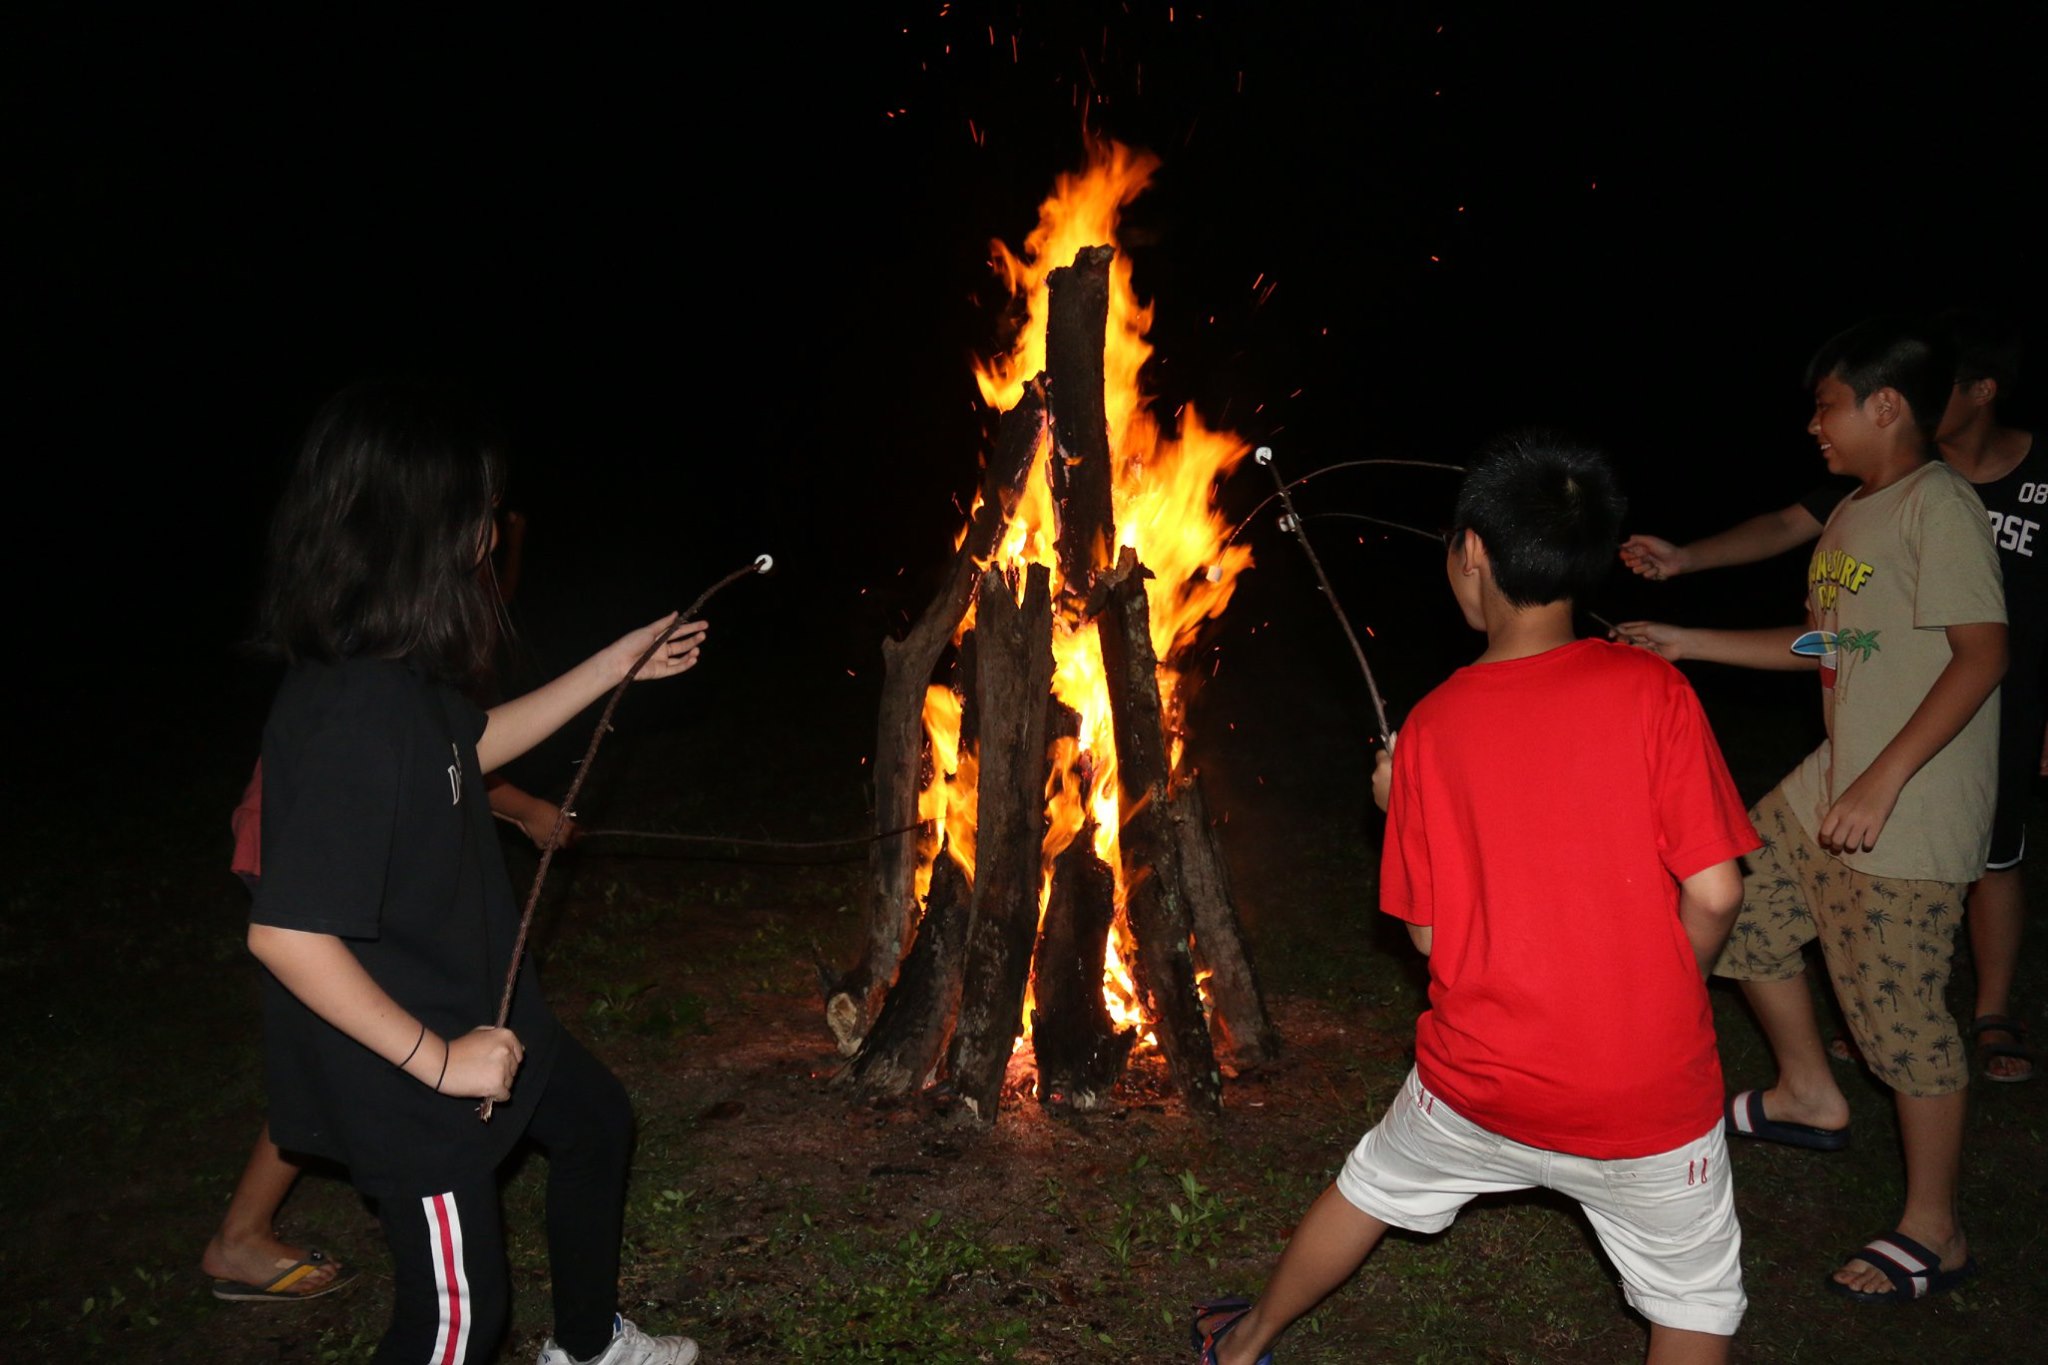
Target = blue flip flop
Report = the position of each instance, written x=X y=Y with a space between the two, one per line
x=1744 y=1115
x=1914 y=1270
x=1233 y=1307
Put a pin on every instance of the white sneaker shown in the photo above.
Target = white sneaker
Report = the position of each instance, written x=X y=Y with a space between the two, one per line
x=630 y=1346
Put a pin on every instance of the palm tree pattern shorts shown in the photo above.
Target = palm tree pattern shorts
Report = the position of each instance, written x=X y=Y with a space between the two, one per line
x=1887 y=943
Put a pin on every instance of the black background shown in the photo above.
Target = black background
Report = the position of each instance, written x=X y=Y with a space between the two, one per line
x=724 y=269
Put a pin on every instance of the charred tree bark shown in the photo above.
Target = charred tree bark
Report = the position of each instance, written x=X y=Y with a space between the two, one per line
x=1081 y=1054
x=1237 y=1008
x=1014 y=677
x=1080 y=471
x=851 y=1001
x=898 y=1053
x=1155 y=894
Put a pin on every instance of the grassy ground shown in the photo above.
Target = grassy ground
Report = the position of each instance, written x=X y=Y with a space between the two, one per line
x=775 y=1220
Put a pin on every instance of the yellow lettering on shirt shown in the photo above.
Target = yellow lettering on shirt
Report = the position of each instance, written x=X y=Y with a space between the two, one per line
x=1832 y=570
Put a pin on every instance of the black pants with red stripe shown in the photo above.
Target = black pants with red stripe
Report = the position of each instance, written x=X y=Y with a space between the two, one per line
x=453 y=1296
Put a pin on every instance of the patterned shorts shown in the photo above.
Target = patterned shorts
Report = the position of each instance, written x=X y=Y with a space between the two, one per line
x=1886 y=941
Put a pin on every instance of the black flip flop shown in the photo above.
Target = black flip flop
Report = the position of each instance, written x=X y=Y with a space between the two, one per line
x=1744 y=1115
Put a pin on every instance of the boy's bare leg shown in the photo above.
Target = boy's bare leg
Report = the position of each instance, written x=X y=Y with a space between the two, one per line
x=1806 y=1091
x=1333 y=1240
x=1997 y=911
x=1677 y=1346
x=246 y=1249
x=1931 y=1129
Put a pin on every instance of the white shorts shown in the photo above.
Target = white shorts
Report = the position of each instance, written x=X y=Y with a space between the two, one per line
x=1667 y=1221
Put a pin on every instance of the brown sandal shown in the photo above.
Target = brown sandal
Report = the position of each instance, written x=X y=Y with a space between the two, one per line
x=2017 y=1048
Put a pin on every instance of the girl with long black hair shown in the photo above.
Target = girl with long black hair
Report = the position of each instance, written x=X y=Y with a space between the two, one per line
x=384 y=918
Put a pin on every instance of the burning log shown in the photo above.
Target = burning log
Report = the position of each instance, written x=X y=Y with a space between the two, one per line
x=1155 y=893
x=908 y=662
x=1080 y=1051
x=1237 y=1008
x=1013 y=681
x=1080 y=469
x=1053 y=751
x=897 y=1056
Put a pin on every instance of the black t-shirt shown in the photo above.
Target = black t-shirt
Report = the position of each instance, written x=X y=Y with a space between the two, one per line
x=2018 y=504
x=377 y=829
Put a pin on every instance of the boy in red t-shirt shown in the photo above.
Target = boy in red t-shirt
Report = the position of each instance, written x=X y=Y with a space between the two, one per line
x=1562 y=838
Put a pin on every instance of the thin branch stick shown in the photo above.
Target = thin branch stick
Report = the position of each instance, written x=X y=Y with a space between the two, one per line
x=730 y=841
x=1330 y=469
x=760 y=565
x=1377 y=521
x=1292 y=522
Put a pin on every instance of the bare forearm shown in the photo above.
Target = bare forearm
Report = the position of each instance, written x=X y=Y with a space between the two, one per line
x=519 y=724
x=1770 y=648
x=516 y=726
x=326 y=977
x=1423 y=936
x=1760 y=537
x=1707 y=905
x=1975 y=667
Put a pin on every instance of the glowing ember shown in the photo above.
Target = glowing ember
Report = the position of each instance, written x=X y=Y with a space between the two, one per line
x=1163 y=500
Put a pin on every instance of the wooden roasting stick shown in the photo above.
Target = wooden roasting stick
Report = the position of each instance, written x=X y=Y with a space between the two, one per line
x=1291 y=521
x=762 y=564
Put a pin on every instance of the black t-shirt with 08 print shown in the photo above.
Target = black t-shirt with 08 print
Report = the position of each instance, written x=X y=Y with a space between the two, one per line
x=377 y=829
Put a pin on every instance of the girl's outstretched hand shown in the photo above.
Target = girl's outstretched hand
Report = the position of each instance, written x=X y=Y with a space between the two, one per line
x=482 y=1063
x=678 y=653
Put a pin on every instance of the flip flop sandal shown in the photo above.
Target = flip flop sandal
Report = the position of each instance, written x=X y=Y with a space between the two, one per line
x=1999 y=1023
x=1230 y=1309
x=1915 y=1271
x=283 y=1287
x=1743 y=1116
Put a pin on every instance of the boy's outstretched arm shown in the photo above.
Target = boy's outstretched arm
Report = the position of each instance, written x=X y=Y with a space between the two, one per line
x=1758 y=538
x=1768 y=648
x=1976 y=664
x=1707 y=902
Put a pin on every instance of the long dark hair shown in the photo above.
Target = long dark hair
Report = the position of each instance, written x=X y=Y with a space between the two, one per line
x=375 y=542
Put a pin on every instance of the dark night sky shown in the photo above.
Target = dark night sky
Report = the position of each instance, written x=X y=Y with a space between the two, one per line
x=725 y=278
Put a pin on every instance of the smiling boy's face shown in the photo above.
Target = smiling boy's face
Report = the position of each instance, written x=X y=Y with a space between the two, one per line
x=1851 y=433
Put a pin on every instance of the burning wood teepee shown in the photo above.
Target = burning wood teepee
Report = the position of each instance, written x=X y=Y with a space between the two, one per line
x=1065 y=882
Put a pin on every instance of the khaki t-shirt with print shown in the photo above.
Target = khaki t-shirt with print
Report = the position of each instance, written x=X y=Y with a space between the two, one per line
x=1890 y=571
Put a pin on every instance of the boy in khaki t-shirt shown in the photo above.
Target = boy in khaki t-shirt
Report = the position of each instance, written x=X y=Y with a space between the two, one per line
x=1870 y=844
x=1893 y=569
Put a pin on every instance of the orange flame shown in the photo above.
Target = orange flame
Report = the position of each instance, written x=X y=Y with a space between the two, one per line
x=1163 y=500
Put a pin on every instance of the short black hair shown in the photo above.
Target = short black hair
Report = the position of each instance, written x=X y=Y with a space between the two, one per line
x=1987 y=345
x=1909 y=354
x=375 y=542
x=1549 y=511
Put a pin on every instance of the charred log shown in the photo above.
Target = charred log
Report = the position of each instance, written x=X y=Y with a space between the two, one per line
x=1013 y=678
x=1079 y=469
x=850 y=1004
x=1081 y=1054
x=1155 y=894
x=899 y=1053
x=1237 y=1009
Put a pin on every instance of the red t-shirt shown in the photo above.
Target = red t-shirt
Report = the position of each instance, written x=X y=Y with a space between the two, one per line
x=247 y=823
x=1541 y=815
